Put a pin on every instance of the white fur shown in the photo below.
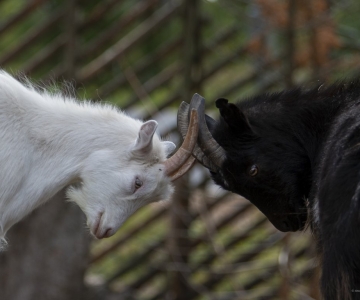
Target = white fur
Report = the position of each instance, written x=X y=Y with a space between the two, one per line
x=48 y=142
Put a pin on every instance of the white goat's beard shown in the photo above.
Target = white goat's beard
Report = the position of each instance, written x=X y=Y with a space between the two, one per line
x=75 y=194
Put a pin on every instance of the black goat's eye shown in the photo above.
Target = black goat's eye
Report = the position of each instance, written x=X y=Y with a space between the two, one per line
x=138 y=183
x=253 y=170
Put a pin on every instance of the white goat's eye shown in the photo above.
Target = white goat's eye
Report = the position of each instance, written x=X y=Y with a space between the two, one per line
x=138 y=183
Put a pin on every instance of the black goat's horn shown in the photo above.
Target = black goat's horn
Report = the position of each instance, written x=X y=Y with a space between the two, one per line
x=207 y=143
x=210 y=154
x=183 y=124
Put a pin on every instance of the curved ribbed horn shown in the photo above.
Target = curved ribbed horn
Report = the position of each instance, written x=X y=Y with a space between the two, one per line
x=212 y=150
x=183 y=124
x=183 y=119
x=181 y=161
x=184 y=168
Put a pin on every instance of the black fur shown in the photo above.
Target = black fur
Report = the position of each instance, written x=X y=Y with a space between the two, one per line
x=305 y=145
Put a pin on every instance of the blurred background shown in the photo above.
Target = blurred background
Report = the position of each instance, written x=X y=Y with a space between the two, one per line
x=146 y=56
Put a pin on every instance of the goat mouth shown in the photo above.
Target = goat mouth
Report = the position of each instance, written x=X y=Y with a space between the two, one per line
x=291 y=224
x=96 y=229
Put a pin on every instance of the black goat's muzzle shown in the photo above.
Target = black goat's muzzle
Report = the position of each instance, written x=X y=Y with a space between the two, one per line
x=289 y=222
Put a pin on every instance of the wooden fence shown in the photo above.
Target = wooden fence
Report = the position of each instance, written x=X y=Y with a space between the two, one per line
x=147 y=56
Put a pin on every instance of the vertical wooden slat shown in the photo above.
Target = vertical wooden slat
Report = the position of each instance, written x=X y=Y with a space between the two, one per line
x=179 y=244
x=191 y=49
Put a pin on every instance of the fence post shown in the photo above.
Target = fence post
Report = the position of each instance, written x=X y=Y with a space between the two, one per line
x=178 y=242
x=180 y=218
x=191 y=48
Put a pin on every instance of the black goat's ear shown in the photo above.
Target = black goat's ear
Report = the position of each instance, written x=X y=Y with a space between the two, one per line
x=233 y=116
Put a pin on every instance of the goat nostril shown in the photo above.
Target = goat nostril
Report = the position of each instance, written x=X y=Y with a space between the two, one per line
x=107 y=232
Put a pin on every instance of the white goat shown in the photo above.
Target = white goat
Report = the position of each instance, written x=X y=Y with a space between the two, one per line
x=113 y=163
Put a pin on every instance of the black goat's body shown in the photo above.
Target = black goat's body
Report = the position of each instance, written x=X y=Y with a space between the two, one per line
x=336 y=199
x=305 y=148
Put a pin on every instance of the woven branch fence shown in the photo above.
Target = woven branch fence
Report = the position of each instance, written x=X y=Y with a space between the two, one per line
x=146 y=57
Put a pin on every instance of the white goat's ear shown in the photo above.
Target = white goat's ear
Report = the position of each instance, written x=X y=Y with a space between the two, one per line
x=169 y=147
x=143 y=144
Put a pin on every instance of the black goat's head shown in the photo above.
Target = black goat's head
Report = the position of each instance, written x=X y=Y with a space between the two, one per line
x=261 y=167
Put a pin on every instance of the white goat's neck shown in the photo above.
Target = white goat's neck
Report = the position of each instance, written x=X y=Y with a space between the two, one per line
x=45 y=141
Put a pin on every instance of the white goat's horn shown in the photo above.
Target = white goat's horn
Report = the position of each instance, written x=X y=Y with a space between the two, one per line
x=181 y=161
x=184 y=168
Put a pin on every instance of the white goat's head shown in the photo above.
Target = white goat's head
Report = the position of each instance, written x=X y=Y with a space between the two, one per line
x=114 y=185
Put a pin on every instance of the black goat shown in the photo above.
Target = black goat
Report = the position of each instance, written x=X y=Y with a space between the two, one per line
x=296 y=156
